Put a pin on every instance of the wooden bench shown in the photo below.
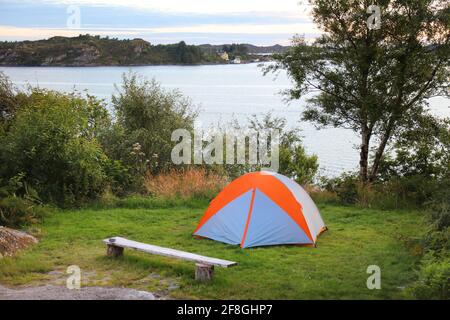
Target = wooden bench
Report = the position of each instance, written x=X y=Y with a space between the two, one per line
x=204 y=266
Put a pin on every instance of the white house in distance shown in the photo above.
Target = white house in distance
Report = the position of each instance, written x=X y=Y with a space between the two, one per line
x=237 y=60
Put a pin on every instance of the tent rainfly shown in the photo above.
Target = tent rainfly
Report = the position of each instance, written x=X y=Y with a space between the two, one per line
x=262 y=209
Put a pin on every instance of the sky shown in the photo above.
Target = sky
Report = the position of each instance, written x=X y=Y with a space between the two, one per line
x=260 y=22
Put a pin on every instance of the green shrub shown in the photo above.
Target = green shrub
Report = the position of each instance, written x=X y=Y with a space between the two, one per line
x=417 y=171
x=440 y=215
x=398 y=192
x=120 y=180
x=421 y=149
x=107 y=200
x=345 y=187
x=146 y=117
x=438 y=241
x=294 y=162
x=414 y=174
x=438 y=238
x=434 y=279
x=324 y=196
x=434 y=271
x=52 y=142
x=8 y=99
x=18 y=212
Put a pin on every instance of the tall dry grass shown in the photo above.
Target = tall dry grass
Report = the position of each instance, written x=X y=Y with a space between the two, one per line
x=185 y=184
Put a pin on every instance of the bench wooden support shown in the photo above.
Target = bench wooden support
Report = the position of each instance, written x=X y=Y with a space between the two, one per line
x=204 y=266
x=203 y=272
x=114 y=251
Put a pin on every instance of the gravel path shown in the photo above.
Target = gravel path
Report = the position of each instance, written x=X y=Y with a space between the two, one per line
x=62 y=293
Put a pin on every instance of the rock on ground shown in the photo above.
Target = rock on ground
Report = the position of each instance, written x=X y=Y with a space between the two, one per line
x=12 y=241
x=62 y=293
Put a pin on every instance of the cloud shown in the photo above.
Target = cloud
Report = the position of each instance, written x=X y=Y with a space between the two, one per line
x=11 y=32
x=309 y=28
x=39 y=33
x=290 y=7
x=171 y=20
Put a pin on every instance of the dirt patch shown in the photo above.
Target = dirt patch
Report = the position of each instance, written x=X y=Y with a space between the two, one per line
x=62 y=293
x=161 y=287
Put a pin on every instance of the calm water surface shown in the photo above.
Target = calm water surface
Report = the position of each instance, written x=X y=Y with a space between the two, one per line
x=222 y=92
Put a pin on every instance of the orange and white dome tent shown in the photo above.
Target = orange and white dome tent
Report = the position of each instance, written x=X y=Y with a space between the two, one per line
x=261 y=209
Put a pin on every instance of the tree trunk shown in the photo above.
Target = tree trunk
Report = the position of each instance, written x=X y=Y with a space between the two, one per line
x=364 y=156
x=380 y=151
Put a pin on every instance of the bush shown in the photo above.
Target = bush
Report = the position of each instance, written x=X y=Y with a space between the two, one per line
x=185 y=184
x=421 y=149
x=417 y=170
x=399 y=192
x=434 y=271
x=120 y=180
x=18 y=212
x=8 y=99
x=415 y=173
x=438 y=238
x=52 y=143
x=146 y=117
x=345 y=187
x=324 y=196
x=440 y=215
x=434 y=279
x=294 y=162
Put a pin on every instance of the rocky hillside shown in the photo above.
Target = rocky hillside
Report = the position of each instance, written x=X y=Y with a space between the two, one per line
x=86 y=50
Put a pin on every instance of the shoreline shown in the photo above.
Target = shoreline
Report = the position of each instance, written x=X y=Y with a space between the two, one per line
x=130 y=65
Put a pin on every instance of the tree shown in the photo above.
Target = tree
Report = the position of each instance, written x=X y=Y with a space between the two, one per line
x=235 y=49
x=50 y=147
x=8 y=100
x=421 y=149
x=294 y=161
x=371 y=80
x=146 y=117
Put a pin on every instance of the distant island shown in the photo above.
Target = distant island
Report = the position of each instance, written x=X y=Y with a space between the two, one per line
x=88 y=50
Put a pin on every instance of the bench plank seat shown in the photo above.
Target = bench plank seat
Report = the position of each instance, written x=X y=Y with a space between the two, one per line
x=148 y=248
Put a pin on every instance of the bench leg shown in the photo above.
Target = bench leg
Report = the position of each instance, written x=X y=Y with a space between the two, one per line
x=203 y=272
x=114 y=251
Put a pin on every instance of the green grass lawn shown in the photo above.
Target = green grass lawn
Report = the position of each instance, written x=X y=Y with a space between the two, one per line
x=336 y=269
